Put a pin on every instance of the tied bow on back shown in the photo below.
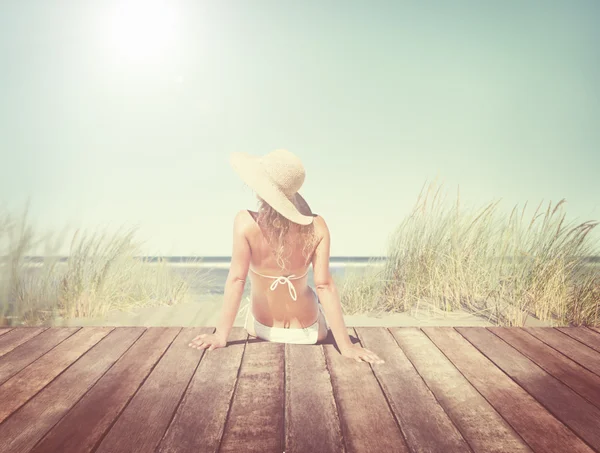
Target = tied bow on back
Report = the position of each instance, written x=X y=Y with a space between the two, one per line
x=283 y=281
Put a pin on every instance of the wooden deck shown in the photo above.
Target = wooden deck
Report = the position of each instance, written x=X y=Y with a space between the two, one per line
x=441 y=389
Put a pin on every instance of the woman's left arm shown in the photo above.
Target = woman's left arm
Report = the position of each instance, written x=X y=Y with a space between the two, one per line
x=236 y=279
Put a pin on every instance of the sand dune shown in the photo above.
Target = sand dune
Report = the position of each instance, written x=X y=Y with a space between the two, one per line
x=206 y=312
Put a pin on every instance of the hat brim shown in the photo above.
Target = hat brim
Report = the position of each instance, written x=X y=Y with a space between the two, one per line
x=249 y=168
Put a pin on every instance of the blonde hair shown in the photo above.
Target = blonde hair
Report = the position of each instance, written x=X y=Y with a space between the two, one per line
x=277 y=231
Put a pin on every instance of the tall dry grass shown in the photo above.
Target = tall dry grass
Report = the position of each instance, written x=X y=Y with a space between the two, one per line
x=503 y=269
x=102 y=273
x=361 y=289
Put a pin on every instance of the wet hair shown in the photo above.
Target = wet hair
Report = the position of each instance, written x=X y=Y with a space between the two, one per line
x=284 y=235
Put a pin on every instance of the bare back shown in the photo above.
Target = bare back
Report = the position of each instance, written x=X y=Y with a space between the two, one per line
x=276 y=307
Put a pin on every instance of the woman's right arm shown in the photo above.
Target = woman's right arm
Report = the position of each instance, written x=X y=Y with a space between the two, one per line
x=330 y=299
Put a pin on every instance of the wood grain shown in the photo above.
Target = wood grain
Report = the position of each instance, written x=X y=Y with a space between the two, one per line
x=540 y=429
x=367 y=421
x=255 y=422
x=17 y=390
x=568 y=346
x=28 y=352
x=586 y=336
x=425 y=424
x=87 y=422
x=142 y=424
x=566 y=405
x=570 y=373
x=200 y=418
x=18 y=434
x=480 y=424
x=309 y=402
x=131 y=389
x=15 y=337
x=4 y=330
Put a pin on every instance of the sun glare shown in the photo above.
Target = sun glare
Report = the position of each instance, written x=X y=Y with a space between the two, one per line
x=142 y=29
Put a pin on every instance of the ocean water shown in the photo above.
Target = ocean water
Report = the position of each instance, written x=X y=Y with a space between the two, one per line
x=214 y=276
x=207 y=275
x=214 y=270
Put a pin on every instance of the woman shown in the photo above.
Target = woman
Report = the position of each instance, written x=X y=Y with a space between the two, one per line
x=276 y=245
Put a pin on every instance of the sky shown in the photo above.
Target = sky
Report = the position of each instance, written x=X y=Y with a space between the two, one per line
x=125 y=113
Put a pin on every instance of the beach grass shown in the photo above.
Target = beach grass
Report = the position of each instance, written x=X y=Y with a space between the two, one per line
x=505 y=269
x=360 y=289
x=440 y=258
x=102 y=274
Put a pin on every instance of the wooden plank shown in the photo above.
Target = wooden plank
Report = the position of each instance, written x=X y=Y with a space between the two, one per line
x=311 y=417
x=4 y=330
x=367 y=421
x=542 y=432
x=146 y=418
x=91 y=417
x=568 y=346
x=480 y=424
x=595 y=328
x=18 y=434
x=255 y=422
x=585 y=336
x=16 y=337
x=570 y=373
x=17 y=359
x=424 y=422
x=200 y=418
x=24 y=385
x=566 y=405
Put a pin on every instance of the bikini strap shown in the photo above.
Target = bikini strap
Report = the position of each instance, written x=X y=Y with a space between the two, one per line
x=303 y=275
x=283 y=280
x=262 y=275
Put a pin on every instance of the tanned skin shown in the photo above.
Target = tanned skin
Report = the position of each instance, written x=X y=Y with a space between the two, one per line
x=276 y=308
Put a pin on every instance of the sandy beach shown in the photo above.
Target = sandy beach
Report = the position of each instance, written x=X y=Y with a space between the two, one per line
x=206 y=311
x=206 y=298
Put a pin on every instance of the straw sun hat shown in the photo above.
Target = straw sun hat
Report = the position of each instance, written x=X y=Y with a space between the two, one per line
x=276 y=177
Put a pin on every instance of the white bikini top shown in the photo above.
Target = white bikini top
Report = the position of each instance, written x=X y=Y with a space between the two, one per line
x=283 y=280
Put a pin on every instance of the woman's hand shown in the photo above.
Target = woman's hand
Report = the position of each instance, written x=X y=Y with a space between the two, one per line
x=210 y=341
x=357 y=352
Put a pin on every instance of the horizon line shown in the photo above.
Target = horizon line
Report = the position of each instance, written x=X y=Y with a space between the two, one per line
x=227 y=258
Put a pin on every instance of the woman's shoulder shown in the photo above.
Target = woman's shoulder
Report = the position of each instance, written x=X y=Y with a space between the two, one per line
x=244 y=218
x=319 y=222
